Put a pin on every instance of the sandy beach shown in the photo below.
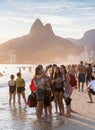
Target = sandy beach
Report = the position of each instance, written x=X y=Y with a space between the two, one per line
x=24 y=117
x=15 y=118
x=84 y=116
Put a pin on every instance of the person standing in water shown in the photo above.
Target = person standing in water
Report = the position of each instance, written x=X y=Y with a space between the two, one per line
x=12 y=89
x=20 y=84
x=40 y=92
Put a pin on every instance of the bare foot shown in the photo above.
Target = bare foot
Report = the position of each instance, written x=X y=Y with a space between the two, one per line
x=61 y=114
x=67 y=115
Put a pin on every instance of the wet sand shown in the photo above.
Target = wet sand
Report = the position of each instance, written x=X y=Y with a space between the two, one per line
x=24 y=117
x=84 y=116
x=15 y=118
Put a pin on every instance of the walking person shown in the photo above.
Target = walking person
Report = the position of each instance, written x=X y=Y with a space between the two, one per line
x=12 y=90
x=81 y=75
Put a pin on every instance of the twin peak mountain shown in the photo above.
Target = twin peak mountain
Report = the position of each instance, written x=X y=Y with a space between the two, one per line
x=41 y=45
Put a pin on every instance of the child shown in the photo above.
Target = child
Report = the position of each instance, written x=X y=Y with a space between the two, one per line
x=20 y=84
x=12 y=89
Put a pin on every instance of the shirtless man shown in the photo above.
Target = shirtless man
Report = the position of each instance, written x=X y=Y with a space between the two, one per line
x=81 y=75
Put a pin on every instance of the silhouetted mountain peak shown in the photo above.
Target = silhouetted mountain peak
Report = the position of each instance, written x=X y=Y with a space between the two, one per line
x=87 y=40
x=90 y=34
x=39 y=29
x=37 y=25
x=48 y=28
x=41 y=45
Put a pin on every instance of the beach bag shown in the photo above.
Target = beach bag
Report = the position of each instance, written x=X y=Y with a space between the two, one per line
x=67 y=99
x=40 y=94
x=73 y=80
x=33 y=87
x=31 y=102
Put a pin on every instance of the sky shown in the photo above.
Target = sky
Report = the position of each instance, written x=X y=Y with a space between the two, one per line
x=68 y=18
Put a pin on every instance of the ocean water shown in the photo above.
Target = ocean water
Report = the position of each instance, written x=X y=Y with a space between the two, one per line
x=15 y=118
x=7 y=70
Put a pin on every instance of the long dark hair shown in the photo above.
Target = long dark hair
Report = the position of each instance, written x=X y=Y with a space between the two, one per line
x=57 y=74
x=37 y=69
x=63 y=66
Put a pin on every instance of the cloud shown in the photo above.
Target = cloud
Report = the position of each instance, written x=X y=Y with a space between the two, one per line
x=68 y=17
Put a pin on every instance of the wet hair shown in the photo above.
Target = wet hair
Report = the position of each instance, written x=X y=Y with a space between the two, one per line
x=37 y=69
x=49 y=66
x=54 y=65
x=63 y=66
x=40 y=66
x=18 y=74
x=12 y=76
x=57 y=74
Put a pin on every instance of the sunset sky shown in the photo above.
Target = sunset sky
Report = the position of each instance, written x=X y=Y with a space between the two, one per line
x=69 y=18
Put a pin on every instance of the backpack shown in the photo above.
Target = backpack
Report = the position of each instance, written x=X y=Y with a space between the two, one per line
x=40 y=94
x=32 y=86
x=31 y=102
x=73 y=80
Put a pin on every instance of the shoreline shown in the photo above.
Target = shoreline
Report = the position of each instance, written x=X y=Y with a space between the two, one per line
x=25 y=118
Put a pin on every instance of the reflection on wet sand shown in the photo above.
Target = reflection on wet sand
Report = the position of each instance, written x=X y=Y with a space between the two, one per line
x=15 y=118
x=49 y=123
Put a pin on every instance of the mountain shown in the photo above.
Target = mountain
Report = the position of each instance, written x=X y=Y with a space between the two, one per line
x=41 y=45
x=88 y=43
x=88 y=39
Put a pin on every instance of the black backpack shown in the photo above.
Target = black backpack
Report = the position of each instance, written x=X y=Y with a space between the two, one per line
x=31 y=102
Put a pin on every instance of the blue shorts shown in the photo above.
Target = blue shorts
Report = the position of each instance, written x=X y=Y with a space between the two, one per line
x=81 y=78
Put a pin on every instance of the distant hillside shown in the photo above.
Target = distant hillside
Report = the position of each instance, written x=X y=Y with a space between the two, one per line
x=41 y=45
x=88 y=43
x=88 y=39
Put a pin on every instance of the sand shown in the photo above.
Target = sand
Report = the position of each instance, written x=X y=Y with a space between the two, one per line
x=84 y=116
x=15 y=118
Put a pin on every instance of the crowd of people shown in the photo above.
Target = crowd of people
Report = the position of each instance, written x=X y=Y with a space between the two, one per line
x=54 y=83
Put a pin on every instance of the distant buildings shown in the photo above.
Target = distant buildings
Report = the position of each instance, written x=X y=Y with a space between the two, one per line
x=87 y=55
x=12 y=57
